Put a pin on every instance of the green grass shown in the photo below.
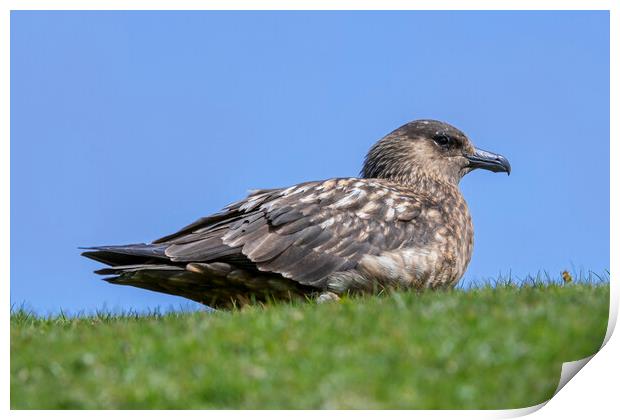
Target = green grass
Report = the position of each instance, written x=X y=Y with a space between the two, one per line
x=486 y=348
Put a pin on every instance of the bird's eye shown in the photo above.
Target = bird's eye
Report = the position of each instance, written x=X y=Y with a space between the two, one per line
x=443 y=140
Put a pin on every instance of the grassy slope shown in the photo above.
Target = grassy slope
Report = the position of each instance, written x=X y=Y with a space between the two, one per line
x=483 y=348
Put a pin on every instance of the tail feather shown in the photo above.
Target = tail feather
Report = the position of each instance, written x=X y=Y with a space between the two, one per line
x=126 y=254
x=217 y=284
x=124 y=269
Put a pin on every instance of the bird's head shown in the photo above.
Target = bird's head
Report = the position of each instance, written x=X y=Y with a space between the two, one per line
x=428 y=148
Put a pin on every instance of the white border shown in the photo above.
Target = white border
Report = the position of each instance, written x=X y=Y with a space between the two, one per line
x=597 y=384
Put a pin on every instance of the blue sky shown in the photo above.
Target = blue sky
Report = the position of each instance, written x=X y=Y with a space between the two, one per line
x=128 y=125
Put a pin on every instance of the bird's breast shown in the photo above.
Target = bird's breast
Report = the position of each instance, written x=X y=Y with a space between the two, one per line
x=437 y=256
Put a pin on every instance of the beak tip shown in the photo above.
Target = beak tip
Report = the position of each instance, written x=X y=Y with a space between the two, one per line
x=508 y=167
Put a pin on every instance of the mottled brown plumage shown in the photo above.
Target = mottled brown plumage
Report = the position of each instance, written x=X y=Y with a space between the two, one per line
x=402 y=224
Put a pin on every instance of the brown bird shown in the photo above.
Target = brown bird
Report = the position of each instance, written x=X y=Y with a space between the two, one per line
x=402 y=224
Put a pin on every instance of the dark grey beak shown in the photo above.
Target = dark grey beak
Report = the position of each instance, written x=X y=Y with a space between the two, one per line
x=487 y=160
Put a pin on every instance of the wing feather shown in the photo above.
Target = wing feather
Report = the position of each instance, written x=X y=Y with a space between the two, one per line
x=304 y=232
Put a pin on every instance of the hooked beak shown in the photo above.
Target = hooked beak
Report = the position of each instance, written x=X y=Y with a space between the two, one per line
x=487 y=160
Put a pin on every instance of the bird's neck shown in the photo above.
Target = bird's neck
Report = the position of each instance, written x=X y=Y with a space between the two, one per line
x=426 y=182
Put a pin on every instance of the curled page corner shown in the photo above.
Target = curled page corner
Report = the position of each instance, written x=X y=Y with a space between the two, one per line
x=570 y=369
x=520 y=412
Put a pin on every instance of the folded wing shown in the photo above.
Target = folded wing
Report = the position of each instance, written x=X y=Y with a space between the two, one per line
x=305 y=232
